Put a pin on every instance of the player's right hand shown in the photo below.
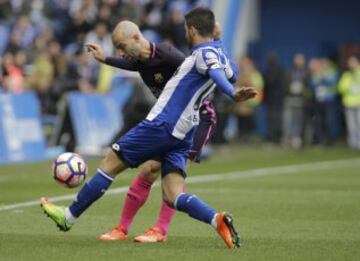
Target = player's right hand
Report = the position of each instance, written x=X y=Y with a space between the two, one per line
x=96 y=51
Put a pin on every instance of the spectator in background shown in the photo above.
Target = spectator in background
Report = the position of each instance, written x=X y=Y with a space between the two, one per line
x=101 y=36
x=13 y=75
x=1 y=75
x=87 y=7
x=40 y=44
x=105 y=16
x=84 y=71
x=175 y=27
x=4 y=36
x=41 y=78
x=6 y=11
x=322 y=83
x=274 y=92
x=349 y=88
x=154 y=15
x=60 y=69
x=23 y=32
x=80 y=25
x=131 y=10
x=293 y=120
x=248 y=112
x=21 y=61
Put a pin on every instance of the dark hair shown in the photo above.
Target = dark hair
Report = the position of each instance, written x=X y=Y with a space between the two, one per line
x=202 y=19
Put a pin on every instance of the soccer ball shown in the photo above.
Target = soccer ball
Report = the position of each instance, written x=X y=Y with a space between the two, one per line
x=69 y=170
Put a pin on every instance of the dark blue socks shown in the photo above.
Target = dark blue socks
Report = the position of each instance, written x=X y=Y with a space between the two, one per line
x=194 y=207
x=90 y=192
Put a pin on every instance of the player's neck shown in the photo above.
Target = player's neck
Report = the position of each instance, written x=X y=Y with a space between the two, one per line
x=201 y=39
x=145 y=50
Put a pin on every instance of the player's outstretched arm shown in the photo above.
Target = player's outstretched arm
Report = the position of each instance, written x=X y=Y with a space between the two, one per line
x=239 y=95
x=118 y=62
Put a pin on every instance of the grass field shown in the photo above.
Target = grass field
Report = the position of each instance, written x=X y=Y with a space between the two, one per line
x=305 y=211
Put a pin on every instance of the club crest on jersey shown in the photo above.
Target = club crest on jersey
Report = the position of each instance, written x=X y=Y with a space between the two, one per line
x=159 y=78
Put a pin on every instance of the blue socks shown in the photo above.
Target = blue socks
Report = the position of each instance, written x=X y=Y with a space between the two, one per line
x=97 y=186
x=194 y=207
x=89 y=193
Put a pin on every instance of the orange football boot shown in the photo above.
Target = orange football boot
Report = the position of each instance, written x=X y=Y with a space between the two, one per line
x=152 y=235
x=117 y=233
x=226 y=230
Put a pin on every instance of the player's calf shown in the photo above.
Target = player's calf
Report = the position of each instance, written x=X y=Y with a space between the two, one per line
x=196 y=208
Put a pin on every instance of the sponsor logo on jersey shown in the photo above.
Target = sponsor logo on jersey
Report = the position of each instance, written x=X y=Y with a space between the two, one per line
x=116 y=147
x=159 y=78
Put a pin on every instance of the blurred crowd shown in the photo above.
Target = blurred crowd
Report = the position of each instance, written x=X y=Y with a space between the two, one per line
x=41 y=41
x=313 y=102
x=42 y=49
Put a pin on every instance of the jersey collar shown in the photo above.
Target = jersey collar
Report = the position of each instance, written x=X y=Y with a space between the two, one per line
x=218 y=43
x=208 y=43
x=153 y=50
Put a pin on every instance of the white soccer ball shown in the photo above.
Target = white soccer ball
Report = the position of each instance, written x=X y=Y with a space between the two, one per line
x=69 y=170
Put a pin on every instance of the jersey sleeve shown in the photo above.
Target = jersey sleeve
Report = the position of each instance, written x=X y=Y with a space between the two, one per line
x=207 y=59
x=121 y=63
x=222 y=83
x=231 y=71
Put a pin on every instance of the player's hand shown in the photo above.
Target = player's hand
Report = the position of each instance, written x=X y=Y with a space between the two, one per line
x=96 y=51
x=244 y=93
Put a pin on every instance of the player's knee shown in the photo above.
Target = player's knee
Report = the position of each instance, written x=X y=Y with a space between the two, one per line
x=170 y=202
x=172 y=185
x=169 y=198
x=151 y=176
x=112 y=164
x=150 y=171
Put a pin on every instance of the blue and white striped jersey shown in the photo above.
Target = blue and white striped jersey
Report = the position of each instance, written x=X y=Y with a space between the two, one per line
x=179 y=103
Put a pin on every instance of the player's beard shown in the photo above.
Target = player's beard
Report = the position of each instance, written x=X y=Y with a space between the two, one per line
x=134 y=52
x=189 y=41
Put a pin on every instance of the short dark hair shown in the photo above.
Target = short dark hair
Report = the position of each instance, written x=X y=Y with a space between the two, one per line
x=203 y=19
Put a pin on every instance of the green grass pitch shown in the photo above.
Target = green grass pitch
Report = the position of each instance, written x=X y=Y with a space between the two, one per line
x=300 y=212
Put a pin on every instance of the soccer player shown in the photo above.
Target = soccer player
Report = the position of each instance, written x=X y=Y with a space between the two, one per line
x=156 y=63
x=167 y=133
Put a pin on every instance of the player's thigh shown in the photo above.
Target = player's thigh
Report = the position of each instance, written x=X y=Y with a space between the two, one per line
x=172 y=185
x=151 y=170
x=140 y=144
x=112 y=164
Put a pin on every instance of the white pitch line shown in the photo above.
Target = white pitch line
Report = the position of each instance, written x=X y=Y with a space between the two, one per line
x=253 y=173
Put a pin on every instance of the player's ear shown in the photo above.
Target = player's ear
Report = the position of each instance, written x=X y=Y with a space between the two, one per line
x=192 y=30
x=136 y=36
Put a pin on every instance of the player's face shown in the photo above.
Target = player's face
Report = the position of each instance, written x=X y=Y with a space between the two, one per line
x=128 y=47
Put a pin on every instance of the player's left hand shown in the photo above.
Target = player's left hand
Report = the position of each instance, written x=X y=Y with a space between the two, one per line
x=244 y=93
